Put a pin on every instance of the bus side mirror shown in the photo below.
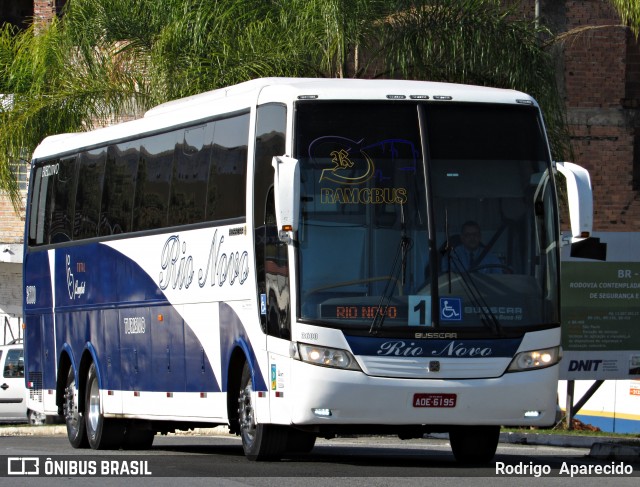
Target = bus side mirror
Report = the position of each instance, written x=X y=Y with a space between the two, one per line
x=580 y=199
x=286 y=185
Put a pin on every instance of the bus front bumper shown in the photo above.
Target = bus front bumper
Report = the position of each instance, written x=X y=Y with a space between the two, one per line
x=325 y=396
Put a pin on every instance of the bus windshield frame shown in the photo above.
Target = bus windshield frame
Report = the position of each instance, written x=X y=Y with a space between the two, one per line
x=391 y=192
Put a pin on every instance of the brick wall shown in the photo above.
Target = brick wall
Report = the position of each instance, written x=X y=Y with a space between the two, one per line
x=44 y=10
x=11 y=223
x=10 y=301
x=600 y=89
x=599 y=78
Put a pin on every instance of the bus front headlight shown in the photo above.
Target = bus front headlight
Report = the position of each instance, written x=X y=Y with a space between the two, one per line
x=535 y=359
x=324 y=356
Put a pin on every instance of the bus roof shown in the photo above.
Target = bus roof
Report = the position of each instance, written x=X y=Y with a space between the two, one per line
x=244 y=95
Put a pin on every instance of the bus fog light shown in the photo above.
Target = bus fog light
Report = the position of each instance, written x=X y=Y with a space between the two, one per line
x=535 y=359
x=322 y=412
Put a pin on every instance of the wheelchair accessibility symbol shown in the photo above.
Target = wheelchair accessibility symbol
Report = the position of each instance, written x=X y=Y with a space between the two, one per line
x=450 y=309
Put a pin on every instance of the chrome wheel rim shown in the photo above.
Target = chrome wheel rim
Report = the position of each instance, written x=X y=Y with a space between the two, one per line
x=70 y=408
x=246 y=415
x=94 y=406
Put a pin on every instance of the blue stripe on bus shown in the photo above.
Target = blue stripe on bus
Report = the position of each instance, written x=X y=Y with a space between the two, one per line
x=99 y=288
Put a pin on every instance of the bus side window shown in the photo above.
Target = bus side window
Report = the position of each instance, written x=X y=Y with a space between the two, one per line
x=62 y=202
x=227 y=179
x=37 y=207
x=276 y=264
x=188 y=198
x=153 y=186
x=89 y=194
x=119 y=189
x=270 y=141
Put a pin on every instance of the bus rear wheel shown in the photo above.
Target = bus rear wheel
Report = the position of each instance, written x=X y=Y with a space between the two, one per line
x=474 y=444
x=259 y=441
x=102 y=433
x=73 y=416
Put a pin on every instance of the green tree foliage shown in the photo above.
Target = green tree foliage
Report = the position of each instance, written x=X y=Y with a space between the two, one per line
x=107 y=59
x=629 y=11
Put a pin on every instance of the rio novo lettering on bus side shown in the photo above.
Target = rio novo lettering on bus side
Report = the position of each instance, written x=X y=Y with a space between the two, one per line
x=178 y=269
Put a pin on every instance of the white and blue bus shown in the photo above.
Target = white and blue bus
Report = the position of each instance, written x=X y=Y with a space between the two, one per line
x=287 y=257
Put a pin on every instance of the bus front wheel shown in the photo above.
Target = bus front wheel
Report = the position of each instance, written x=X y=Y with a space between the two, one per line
x=259 y=441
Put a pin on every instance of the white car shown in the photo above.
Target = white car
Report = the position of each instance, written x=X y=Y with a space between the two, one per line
x=13 y=391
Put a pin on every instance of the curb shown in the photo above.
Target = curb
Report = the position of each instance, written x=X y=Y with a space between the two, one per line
x=61 y=430
x=568 y=441
x=48 y=430
x=602 y=448
x=616 y=451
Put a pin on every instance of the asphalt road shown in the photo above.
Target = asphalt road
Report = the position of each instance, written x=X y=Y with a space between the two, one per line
x=372 y=461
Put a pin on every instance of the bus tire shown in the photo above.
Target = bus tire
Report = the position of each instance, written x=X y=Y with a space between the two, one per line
x=474 y=444
x=259 y=441
x=102 y=433
x=73 y=416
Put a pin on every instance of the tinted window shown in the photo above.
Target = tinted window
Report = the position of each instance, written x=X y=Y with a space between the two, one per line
x=190 y=176
x=181 y=177
x=468 y=130
x=37 y=209
x=119 y=188
x=226 y=191
x=89 y=193
x=63 y=201
x=154 y=181
x=270 y=141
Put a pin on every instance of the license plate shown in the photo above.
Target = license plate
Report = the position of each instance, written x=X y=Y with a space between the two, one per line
x=434 y=400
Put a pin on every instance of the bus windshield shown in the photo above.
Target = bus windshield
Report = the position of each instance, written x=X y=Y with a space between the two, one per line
x=423 y=215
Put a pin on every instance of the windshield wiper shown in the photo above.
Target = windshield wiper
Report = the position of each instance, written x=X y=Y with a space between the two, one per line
x=401 y=258
x=488 y=317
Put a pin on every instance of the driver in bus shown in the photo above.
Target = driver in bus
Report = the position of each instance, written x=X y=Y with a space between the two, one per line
x=471 y=255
